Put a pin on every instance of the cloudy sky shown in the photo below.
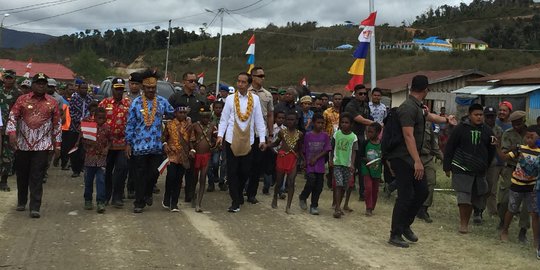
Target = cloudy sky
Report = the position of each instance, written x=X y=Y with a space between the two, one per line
x=58 y=17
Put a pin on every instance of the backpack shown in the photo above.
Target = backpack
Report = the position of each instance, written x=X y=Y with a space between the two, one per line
x=392 y=133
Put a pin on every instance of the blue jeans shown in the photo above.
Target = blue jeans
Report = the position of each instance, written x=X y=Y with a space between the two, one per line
x=218 y=167
x=99 y=174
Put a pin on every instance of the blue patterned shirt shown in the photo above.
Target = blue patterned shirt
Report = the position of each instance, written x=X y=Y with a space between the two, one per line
x=378 y=112
x=142 y=139
x=78 y=110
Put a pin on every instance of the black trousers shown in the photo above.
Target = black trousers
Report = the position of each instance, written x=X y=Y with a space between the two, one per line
x=30 y=166
x=191 y=185
x=411 y=195
x=77 y=157
x=115 y=175
x=259 y=166
x=64 y=149
x=131 y=176
x=238 y=171
x=173 y=184
x=146 y=175
x=314 y=186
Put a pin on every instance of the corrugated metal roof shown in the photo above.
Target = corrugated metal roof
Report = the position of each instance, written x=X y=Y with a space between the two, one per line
x=497 y=91
x=53 y=70
x=470 y=89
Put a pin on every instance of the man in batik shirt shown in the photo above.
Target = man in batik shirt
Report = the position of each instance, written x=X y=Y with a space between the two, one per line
x=143 y=136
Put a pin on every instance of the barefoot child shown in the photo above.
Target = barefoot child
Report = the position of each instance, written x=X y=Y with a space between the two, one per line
x=201 y=147
x=176 y=146
x=290 y=142
x=96 y=160
x=316 y=148
x=371 y=168
x=345 y=144
x=524 y=179
x=217 y=171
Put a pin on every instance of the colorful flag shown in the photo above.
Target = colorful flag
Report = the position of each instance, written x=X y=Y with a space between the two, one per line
x=251 y=52
x=28 y=69
x=357 y=68
x=163 y=166
x=89 y=130
x=200 y=78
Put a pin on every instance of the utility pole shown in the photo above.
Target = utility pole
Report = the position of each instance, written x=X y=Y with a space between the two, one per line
x=372 y=60
x=167 y=56
x=2 y=27
x=220 y=12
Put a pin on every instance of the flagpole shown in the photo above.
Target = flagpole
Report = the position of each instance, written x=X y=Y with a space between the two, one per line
x=372 y=60
x=220 y=12
x=167 y=56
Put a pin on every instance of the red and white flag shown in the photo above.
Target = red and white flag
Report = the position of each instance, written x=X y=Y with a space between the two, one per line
x=303 y=82
x=163 y=166
x=89 y=130
x=28 y=69
x=200 y=78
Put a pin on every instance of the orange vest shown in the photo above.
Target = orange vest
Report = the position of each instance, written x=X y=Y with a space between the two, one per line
x=67 y=118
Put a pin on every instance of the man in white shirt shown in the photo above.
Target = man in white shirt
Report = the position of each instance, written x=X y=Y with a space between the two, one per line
x=377 y=109
x=241 y=116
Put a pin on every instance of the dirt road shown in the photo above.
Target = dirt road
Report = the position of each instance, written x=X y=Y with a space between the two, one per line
x=258 y=237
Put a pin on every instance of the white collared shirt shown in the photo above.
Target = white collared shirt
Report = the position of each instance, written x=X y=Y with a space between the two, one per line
x=228 y=116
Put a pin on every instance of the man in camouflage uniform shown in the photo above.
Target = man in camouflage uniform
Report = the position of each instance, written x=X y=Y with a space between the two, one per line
x=429 y=152
x=8 y=95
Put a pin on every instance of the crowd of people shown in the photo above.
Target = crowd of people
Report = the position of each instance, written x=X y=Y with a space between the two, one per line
x=124 y=142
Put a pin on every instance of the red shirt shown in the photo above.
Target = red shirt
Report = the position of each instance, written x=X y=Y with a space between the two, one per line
x=96 y=151
x=117 y=113
x=36 y=121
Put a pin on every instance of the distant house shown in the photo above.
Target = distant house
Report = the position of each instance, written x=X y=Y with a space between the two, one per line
x=519 y=86
x=433 y=44
x=57 y=71
x=397 y=46
x=344 y=47
x=441 y=85
x=468 y=44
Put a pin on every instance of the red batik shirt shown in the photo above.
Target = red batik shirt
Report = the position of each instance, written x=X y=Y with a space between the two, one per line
x=96 y=151
x=117 y=113
x=36 y=122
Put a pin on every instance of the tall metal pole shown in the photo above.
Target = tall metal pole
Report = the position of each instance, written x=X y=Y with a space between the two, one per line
x=221 y=11
x=167 y=57
x=2 y=27
x=372 y=45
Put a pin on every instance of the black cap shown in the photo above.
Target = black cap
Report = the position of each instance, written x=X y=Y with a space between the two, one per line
x=419 y=83
x=10 y=73
x=118 y=83
x=490 y=111
x=135 y=77
x=40 y=76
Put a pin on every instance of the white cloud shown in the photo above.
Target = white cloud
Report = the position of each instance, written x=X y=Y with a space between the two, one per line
x=190 y=14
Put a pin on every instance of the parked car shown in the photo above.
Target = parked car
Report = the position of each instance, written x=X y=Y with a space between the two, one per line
x=164 y=89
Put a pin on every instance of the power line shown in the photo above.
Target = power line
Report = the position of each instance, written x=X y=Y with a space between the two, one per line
x=34 y=5
x=43 y=6
x=257 y=8
x=62 y=14
x=250 y=5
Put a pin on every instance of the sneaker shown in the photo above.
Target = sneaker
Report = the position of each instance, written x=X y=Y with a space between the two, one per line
x=101 y=208
x=20 y=207
x=88 y=205
x=233 y=209
x=137 y=210
x=477 y=220
x=314 y=211
x=75 y=175
x=398 y=241
x=4 y=187
x=303 y=204
x=118 y=204
x=253 y=200
x=149 y=201
x=165 y=206
x=34 y=214
x=409 y=235
x=175 y=209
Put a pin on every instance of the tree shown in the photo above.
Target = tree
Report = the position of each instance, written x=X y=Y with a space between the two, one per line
x=86 y=63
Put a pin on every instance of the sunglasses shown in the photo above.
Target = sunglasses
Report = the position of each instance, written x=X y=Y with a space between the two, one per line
x=191 y=81
x=362 y=93
x=260 y=76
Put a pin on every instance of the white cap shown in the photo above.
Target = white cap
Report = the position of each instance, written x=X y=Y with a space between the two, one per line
x=51 y=82
x=27 y=82
x=231 y=90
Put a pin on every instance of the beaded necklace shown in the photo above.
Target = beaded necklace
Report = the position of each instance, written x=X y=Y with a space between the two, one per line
x=149 y=119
